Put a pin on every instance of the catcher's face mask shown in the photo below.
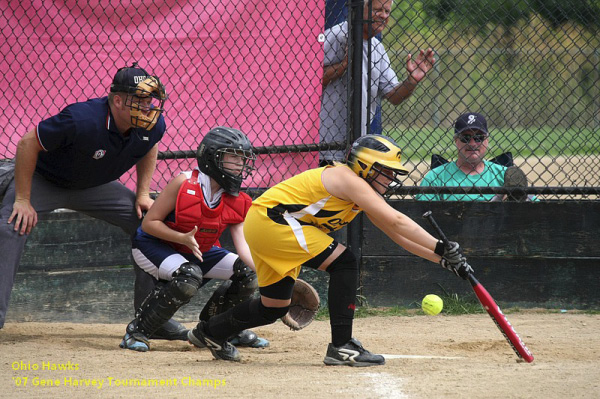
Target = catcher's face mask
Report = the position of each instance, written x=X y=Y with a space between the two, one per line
x=235 y=163
x=146 y=103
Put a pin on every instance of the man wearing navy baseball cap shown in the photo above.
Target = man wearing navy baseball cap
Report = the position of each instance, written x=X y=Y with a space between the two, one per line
x=471 y=137
x=470 y=121
x=74 y=159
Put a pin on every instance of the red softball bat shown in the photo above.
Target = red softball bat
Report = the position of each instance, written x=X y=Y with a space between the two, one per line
x=501 y=321
x=489 y=304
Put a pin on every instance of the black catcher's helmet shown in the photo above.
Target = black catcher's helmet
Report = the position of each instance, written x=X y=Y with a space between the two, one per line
x=373 y=155
x=219 y=142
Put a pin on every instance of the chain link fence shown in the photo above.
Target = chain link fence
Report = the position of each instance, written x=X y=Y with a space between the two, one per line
x=532 y=67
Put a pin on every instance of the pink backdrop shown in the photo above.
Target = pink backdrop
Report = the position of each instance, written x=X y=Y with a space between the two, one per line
x=251 y=64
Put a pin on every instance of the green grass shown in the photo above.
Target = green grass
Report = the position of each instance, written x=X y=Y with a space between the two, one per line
x=418 y=144
x=457 y=305
x=454 y=304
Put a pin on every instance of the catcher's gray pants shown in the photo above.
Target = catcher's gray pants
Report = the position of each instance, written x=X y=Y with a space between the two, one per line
x=111 y=202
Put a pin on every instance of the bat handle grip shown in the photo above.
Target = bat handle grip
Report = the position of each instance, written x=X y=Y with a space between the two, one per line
x=429 y=216
x=472 y=279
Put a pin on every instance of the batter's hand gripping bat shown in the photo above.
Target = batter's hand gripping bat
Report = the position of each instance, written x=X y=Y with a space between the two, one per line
x=490 y=305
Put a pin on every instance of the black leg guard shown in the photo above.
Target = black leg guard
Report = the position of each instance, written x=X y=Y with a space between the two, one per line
x=241 y=286
x=343 y=283
x=164 y=302
x=248 y=314
x=145 y=286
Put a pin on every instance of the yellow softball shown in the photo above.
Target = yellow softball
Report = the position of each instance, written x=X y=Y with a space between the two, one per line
x=432 y=304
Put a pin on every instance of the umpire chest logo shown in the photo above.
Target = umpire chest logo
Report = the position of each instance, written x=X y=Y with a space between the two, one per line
x=99 y=154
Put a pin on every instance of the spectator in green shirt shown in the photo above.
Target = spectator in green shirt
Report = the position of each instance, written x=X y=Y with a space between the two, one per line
x=470 y=169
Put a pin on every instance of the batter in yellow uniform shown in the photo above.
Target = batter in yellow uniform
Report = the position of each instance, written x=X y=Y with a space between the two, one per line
x=286 y=228
x=298 y=219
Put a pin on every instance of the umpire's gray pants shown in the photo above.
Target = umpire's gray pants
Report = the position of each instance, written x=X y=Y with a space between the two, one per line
x=111 y=202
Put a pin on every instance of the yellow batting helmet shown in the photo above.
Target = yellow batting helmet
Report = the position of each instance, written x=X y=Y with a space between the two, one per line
x=373 y=155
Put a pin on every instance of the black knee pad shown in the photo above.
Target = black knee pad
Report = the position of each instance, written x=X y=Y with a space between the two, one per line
x=346 y=261
x=186 y=281
x=241 y=286
x=244 y=281
x=282 y=289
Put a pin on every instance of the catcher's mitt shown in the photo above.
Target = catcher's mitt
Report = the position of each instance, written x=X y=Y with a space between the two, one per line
x=304 y=306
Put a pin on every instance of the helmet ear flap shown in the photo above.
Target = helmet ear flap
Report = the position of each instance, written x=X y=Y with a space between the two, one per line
x=200 y=158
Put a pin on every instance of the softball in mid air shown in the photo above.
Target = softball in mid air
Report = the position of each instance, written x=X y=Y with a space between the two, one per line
x=432 y=304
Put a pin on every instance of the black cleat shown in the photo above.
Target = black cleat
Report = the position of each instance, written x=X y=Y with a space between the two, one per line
x=172 y=330
x=351 y=354
x=221 y=349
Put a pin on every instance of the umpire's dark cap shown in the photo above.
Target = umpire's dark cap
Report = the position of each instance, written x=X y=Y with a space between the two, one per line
x=470 y=121
x=127 y=78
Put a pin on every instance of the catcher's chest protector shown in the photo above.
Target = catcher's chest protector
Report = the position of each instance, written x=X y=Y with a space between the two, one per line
x=191 y=210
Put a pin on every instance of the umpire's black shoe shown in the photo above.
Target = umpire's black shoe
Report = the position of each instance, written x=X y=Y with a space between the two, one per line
x=220 y=348
x=352 y=354
x=172 y=330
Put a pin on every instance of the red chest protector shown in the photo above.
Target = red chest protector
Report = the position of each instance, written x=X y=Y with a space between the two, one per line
x=191 y=210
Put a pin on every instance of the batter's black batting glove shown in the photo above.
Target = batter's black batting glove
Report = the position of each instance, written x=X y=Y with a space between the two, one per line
x=461 y=268
x=451 y=253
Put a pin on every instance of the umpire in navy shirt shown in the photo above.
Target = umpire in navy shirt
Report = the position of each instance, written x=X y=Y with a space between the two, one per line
x=73 y=160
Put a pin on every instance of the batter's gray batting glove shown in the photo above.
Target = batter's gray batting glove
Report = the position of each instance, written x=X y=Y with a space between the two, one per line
x=451 y=253
x=460 y=268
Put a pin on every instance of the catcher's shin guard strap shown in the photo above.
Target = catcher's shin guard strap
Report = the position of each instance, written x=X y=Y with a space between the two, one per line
x=343 y=283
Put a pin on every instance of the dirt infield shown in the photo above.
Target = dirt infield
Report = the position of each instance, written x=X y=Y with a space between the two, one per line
x=427 y=357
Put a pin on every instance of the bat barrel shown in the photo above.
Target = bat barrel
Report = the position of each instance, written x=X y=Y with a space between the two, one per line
x=489 y=304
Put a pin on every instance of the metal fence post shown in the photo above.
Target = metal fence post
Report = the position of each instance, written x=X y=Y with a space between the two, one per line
x=355 y=103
